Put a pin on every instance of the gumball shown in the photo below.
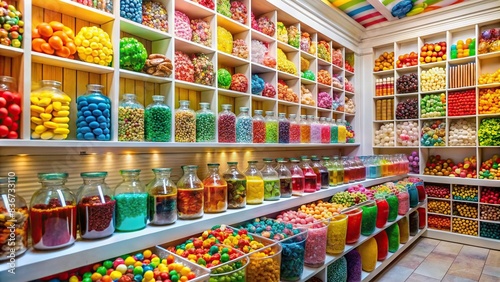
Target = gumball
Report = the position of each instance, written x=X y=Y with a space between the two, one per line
x=122 y=268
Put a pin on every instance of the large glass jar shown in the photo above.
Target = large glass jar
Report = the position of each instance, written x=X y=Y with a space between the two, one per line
x=369 y=218
x=413 y=194
x=354 y=217
x=9 y=122
x=393 y=235
x=334 y=132
x=322 y=174
x=325 y=130
x=294 y=129
x=315 y=129
x=337 y=231
x=190 y=194
x=271 y=181
x=414 y=223
x=244 y=126
x=236 y=186
x=130 y=119
x=305 y=130
x=158 y=120
x=131 y=202
x=227 y=125
x=50 y=108
x=162 y=198
x=185 y=123
x=369 y=252
x=339 y=168
x=361 y=169
x=382 y=245
x=393 y=202
x=342 y=131
x=53 y=213
x=404 y=230
x=382 y=211
x=205 y=124
x=271 y=128
x=215 y=191
x=94 y=115
x=283 y=128
x=285 y=179
x=13 y=220
x=325 y=161
x=255 y=184
x=259 y=127
x=347 y=170
x=310 y=177
x=298 y=180
x=403 y=201
x=96 y=206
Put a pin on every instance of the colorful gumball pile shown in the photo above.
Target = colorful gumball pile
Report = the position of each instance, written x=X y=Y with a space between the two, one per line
x=11 y=25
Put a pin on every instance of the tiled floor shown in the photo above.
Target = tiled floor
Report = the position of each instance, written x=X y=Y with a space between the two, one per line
x=430 y=260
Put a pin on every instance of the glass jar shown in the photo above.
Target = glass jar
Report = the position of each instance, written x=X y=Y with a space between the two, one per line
x=271 y=127
x=13 y=220
x=322 y=174
x=315 y=129
x=331 y=170
x=158 y=121
x=298 y=180
x=369 y=218
x=382 y=211
x=131 y=202
x=227 y=125
x=337 y=231
x=305 y=130
x=354 y=217
x=285 y=179
x=347 y=170
x=294 y=129
x=284 y=129
x=205 y=124
x=130 y=119
x=215 y=191
x=53 y=213
x=403 y=201
x=414 y=223
x=334 y=132
x=94 y=115
x=162 y=198
x=255 y=184
x=271 y=181
x=50 y=109
x=317 y=234
x=382 y=245
x=413 y=193
x=244 y=126
x=236 y=186
x=325 y=130
x=339 y=170
x=310 y=177
x=393 y=235
x=8 y=88
x=185 y=123
x=422 y=218
x=259 y=127
x=393 y=202
x=422 y=195
x=342 y=131
x=361 y=169
x=96 y=206
x=368 y=251
x=190 y=192
x=404 y=230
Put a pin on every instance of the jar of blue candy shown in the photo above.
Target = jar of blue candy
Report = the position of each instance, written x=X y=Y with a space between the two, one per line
x=94 y=115
x=244 y=126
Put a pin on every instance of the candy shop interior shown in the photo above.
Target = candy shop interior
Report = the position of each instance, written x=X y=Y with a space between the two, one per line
x=247 y=140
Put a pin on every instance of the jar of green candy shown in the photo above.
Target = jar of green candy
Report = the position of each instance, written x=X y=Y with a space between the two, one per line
x=236 y=186
x=271 y=181
x=157 y=120
x=271 y=127
x=205 y=124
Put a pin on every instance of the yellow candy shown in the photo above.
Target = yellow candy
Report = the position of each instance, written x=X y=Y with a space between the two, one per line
x=56 y=105
x=45 y=117
x=61 y=114
x=34 y=114
x=46 y=94
x=49 y=109
x=62 y=125
x=50 y=124
x=61 y=131
x=61 y=119
x=60 y=136
x=73 y=279
x=34 y=100
x=35 y=135
x=37 y=109
x=148 y=275
x=44 y=102
x=36 y=120
x=64 y=108
x=40 y=129
x=115 y=275
x=47 y=135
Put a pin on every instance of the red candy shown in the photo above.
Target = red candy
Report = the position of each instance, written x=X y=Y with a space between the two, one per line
x=239 y=12
x=266 y=26
x=206 y=3
x=259 y=131
x=10 y=112
x=239 y=82
x=462 y=103
x=269 y=90
x=184 y=68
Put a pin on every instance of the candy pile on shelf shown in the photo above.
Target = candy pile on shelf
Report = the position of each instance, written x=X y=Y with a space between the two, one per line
x=284 y=64
x=490 y=169
x=489 y=100
x=239 y=82
x=286 y=93
x=407 y=109
x=103 y=5
x=154 y=15
x=384 y=136
x=133 y=54
x=324 y=51
x=414 y=161
x=240 y=48
x=462 y=132
x=55 y=38
x=433 y=133
x=433 y=79
x=350 y=106
x=325 y=100
x=349 y=87
x=488 y=78
x=257 y=84
x=337 y=57
x=324 y=77
x=225 y=40
x=260 y=54
x=306 y=44
x=183 y=26
x=337 y=81
x=407 y=83
x=239 y=11
x=265 y=25
x=11 y=25
x=433 y=105
x=203 y=69
x=184 y=68
x=306 y=96
x=463 y=103
x=435 y=165
x=407 y=133
x=158 y=65
x=269 y=90
x=489 y=132
x=384 y=62
x=201 y=32
x=489 y=41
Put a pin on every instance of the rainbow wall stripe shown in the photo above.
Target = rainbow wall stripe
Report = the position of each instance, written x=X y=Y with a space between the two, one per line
x=360 y=10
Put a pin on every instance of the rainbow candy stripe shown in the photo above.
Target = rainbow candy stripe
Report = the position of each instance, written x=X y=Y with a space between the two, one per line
x=360 y=10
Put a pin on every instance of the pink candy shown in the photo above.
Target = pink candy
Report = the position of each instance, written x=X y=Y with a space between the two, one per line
x=269 y=90
x=239 y=12
x=183 y=26
x=337 y=57
x=240 y=49
x=184 y=68
x=325 y=100
x=266 y=26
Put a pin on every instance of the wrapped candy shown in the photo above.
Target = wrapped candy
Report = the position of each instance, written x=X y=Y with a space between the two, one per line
x=240 y=49
x=254 y=23
x=325 y=101
x=239 y=82
x=155 y=15
x=348 y=86
x=350 y=106
x=269 y=61
x=313 y=48
x=306 y=96
x=282 y=32
x=308 y=75
x=257 y=84
x=285 y=93
x=337 y=81
x=266 y=26
x=324 y=77
x=201 y=32
x=224 y=40
x=239 y=11
x=224 y=8
x=305 y=42
x=293 y=36
x=337 y=57
x=284 y=64
x=223 y=78
x=338 y=104
x=203 y=69
x=184 y=68
x=259 y=50
x=269 y=90
x=324 y=51
x=304 y=64
x=183 y=26
x=206 y=3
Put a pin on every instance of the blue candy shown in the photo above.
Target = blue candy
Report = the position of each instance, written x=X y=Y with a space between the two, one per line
x=89 y=136
x=83 y=103
x=102 y=106
x=105 y=113
x=79 y=136
x=102 y=119
x=97 y=131
x=103 y=125
x=85 y=129
x=85 y=108
x=92 y=107
x=105 y=131
x=97 y=113
x=87 y=113
x=90 y=119
x=80 y=119
x=94 y=124
x=82 y=124
x=101 y=137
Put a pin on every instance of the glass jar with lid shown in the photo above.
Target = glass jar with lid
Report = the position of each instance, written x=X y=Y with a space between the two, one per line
x=215 y=190
x=50 y=109
x=323 y=176
x=298 y=180
x=283 y=129
x=236 y=186
x=271 y=127
x=294 y=129
x=205 y=124
x=325 y=161
x=255 y=184
x=96 y=206
x=158 y=121
x=271 y=181
x=244 y=126
x=285 y=178
x=310 y=178
x=13 y=219
x=190 y=194
x=131 y=202
x=259 y=127
x=185 y=123
x=315 y=129
x=162 y=198
x=339 y=168
x=325 y=130
x=334 y=132
x=53 y=213
x=130 y=119
x=342 y=131
x=10 y=122
x=346 y=164
x=94 y=115
x=226 y=123
x=305 y=130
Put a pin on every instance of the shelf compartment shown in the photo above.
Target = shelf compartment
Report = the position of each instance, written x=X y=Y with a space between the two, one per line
x=143 y=31
x=231 y=25
x=467 y=193
x=438 y=222
x=489 y=212
x=464 y=226
x=145 y=77
x=74 y=9
x=439 y=207
x=465 y=210
x=56 y=61
x=490 y=230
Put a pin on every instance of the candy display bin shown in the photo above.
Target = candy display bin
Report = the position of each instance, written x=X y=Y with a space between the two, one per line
x=265 y=264
x=234 y=270
x=202 y=273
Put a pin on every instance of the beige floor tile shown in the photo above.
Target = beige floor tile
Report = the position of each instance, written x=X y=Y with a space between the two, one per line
x=423 y=247
x=488 y=278
x=394 y=273
x=410 y=260
x=448 y=248
x=419 y=278
x=452 y=278
x=466 y=268
x=492 y=271
x=474 y=252
x=435 y=265
x=493 y=258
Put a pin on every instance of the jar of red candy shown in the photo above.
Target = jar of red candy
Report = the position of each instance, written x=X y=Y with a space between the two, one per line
x=10 y=108
x=162 y=198
x=215 y=191
x=259 y=127
x=96 y=206
x=227 y=125
x=53 y=213
x=310 y=177
x=354 y=217
x=294 y=129
x=190 y=194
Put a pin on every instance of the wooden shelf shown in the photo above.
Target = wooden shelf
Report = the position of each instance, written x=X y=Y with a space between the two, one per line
x=9 y=51
x=76 y=10
x=145 y=77
x=70 y=64
x=143 y=31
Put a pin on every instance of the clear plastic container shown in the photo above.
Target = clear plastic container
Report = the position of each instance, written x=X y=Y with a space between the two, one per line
x=158 y=121
x=271 y=127
x=337 y=231
x=310 y=177
x=94 y=115
x=96 y=206
x=244 y=126
x=347 y=170
x=227 y=125
x=325 y=130
x=294 y=129
x=285 y=178
x=283 y=128
x=271 y=181
x=50 y=109
x=185 y=123
x=12 y=108
x=323 y=176
x=315 y=129
x=162 y=198
x=53 y=213
x=130 y=119
x=16 y=216
x=215 y=191
x=305 y=130
x=298 y=180
x=205 y=124
x=131 y=202
x=236 y=186
x=255 y=184
x=190 y=192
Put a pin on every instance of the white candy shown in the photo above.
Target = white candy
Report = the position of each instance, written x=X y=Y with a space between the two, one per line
x=462 y=132
x=407 y=133
x=384 y=136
